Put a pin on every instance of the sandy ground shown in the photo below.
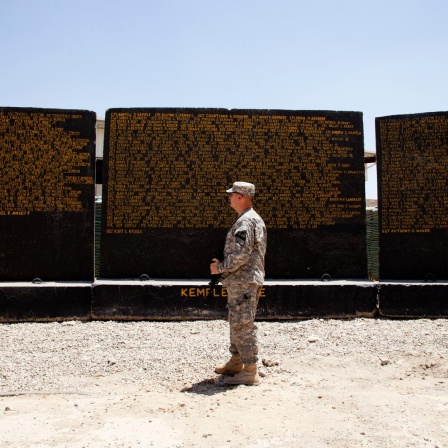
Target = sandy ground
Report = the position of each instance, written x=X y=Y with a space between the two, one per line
x=312 y=398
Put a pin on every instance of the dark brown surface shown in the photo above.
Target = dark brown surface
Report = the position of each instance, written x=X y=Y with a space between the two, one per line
x=165 y=210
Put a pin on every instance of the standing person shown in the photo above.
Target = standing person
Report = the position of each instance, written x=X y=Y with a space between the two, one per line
x=242 y=273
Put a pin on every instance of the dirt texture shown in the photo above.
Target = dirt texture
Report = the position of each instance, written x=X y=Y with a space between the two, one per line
x=326 y=383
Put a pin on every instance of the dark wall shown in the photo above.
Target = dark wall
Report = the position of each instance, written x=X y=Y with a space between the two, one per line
x=46 y=194
x=412 y=155
x=165 y=210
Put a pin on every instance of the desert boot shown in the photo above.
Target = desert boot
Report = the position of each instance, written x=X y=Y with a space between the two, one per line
x=249 y=376
x=232 y=366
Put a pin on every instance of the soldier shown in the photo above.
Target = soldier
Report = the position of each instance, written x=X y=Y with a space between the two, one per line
x=242 y=273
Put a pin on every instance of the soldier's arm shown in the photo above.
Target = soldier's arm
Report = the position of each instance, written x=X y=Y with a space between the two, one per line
x=241 y=246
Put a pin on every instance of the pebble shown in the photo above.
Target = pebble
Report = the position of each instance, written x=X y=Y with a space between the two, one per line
x=158 y=355
x=269 y=363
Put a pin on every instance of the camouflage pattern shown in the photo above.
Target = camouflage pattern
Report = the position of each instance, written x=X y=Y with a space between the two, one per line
x=243 y=274
x=242 y=188
x=242 y=305
x=244 y=251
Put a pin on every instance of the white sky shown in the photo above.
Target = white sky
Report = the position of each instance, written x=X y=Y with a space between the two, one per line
x=381 y=57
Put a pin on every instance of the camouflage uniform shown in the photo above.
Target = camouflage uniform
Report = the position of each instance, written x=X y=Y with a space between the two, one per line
x=243 y=274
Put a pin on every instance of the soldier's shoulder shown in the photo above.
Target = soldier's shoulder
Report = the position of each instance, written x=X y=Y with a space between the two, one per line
x=257 y=217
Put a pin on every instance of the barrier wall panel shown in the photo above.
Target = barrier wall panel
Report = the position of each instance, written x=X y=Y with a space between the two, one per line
x=165 y=210
x=47 y=194
x=412 y=153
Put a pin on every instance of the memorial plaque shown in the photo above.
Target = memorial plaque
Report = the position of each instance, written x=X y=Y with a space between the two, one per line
x=46 y=194
x=165 y=210
x=412 y=155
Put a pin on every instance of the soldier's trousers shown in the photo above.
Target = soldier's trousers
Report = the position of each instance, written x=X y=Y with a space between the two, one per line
x=242 y=304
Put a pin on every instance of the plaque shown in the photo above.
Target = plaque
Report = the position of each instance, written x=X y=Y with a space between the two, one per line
x=46 y=194
x=412 y=155
x=166 y=172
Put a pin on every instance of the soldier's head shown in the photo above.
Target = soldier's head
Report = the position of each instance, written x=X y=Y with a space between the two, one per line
x=241 y=196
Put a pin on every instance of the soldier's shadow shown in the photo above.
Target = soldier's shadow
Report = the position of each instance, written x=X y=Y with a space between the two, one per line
x=209 y=386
